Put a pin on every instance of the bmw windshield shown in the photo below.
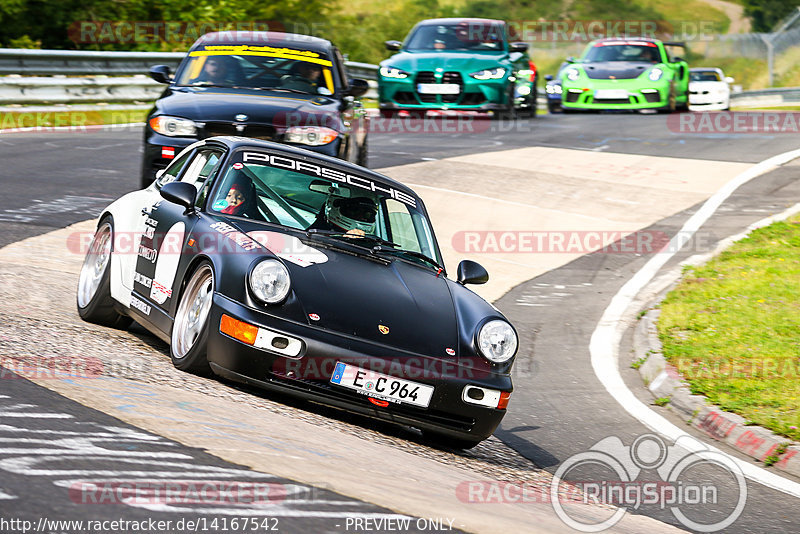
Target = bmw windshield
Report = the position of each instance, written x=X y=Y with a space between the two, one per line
x=258 y=67
x=325 y=201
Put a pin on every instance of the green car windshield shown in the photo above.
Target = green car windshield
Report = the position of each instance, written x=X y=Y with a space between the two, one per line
x=623 y=51
x=471 y=36
x=304 y=195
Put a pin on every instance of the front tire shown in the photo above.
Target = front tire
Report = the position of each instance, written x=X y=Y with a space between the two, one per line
x=189 y=339
x=94 y=301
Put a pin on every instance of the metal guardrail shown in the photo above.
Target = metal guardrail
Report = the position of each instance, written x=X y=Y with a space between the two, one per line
x=80 y=62
x=26 y=85
x=99 y=77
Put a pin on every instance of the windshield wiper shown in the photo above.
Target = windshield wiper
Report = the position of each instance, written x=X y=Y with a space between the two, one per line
x=298 y=91
x=413 y=253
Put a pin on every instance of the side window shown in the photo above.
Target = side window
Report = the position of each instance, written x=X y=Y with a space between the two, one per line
x=200 y=170
x=174 y=169
x=401 y=225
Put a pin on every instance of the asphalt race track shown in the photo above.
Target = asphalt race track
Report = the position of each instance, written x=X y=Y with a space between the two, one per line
x=559 y=407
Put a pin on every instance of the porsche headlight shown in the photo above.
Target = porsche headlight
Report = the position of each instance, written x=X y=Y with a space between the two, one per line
x=572 y=74
x=489 y=74
x=655 y=74
x=173 y=126
x=497 y=341
x=270 y=281
x=391 y=72
x=310 y=135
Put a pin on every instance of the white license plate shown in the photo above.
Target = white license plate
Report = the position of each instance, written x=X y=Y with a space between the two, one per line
x=438 y=88
x=608 y=94
x=381 y=386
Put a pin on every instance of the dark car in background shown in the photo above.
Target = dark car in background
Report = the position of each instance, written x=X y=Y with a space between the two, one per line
x=458 y=64
x=553 y=90
x=272 y=86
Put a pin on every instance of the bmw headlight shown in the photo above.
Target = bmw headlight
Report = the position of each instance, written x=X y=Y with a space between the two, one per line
x=553 y=89
x=270 y=281
x=310 y=135
x=391 y=72
x=173 y=126
x=497 y=341
x=572 y=74
x=655 y=74
x=489 y=74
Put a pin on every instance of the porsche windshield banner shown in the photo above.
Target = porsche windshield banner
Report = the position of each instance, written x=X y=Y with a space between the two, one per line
x=312 y=169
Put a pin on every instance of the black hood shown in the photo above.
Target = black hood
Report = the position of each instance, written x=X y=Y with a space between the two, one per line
x=356 y=296
x=381 y=299
x=620 y=70
x=278 y=108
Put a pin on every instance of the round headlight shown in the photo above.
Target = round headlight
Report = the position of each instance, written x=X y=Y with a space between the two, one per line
x=270 y=281
x=497 y=341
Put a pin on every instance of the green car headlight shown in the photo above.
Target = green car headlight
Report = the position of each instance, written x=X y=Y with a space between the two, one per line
x=489 y=74
x=391 y=72
x=572 y=74
x=655 y=74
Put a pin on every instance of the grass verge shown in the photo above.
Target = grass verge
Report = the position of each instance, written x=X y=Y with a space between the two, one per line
x=732 y=328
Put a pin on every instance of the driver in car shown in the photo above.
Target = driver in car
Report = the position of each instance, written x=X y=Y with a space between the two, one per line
x=355 y=217
x=304 y=77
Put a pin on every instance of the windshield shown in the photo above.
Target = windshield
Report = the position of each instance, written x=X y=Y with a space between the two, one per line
x=258 y=67
x=473 y=36
x=704 y=76
x=326 y=201
x=639 y=51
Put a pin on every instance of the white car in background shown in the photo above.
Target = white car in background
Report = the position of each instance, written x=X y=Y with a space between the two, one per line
x=709 y=89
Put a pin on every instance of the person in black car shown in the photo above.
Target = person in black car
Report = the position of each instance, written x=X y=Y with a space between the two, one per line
x=352 y=216
x=305 y=77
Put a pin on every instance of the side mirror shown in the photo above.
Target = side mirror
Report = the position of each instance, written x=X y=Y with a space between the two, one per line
x=728 y=79
x=470 y=272
x=676 y=59
x=518 y=47
x=570 y=59
x=548 y=77
x=160 y=73
x=393 y=46
x=180 y=193
x=358 y=87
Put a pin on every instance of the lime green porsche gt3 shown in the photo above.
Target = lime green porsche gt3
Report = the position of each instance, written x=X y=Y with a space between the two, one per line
x=458 y=64
x=617 y=74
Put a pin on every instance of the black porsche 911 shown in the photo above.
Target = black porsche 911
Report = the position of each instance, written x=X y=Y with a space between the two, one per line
x=281 y=87
x=293 y=271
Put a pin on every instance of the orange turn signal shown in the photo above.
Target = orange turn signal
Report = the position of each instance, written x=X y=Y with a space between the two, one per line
x=502 y=404
x=244 y=332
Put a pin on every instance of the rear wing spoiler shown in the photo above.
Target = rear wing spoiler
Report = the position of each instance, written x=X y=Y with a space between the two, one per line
x=675 y=43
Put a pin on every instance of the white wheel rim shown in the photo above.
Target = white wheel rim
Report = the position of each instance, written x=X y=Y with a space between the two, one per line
x=192 y=313
x=94 y=265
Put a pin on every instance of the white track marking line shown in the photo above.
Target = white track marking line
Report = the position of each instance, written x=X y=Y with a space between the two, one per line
x=6 y=496
x=604 y=344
